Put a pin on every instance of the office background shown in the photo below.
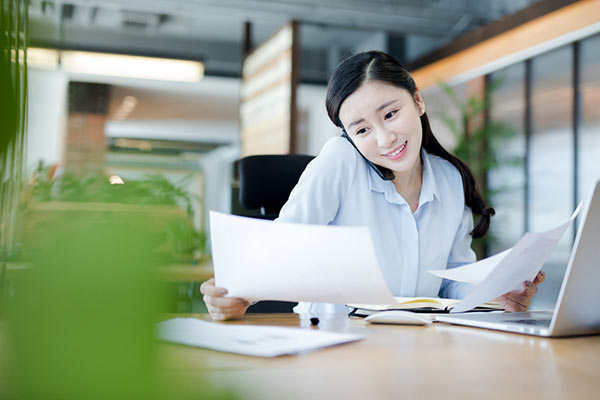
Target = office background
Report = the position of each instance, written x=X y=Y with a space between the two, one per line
x=189 y=131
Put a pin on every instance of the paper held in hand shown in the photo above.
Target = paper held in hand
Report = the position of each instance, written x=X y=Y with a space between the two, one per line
x=506 y=271
x=265 y=260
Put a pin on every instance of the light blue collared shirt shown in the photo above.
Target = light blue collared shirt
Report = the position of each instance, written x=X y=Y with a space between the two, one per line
x=339 y=188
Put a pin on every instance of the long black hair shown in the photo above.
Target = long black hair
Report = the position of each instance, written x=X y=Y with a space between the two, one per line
x=380 y=67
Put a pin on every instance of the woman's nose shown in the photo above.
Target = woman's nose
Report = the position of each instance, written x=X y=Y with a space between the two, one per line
x=385 y=138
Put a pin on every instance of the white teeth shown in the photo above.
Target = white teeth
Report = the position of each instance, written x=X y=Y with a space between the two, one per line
x=397 y=151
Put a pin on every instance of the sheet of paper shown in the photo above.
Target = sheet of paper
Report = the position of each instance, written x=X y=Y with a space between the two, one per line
x=262 y=341
x=521 y=263
x=473 y=273
x=265 y=260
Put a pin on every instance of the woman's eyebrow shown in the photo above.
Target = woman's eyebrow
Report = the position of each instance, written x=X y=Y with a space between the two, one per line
x=384 y=105
x=381 y=107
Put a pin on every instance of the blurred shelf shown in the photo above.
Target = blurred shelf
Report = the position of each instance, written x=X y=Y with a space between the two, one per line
x=14 y=268
x=188 y=272
x=171 y=273
x=119 y=207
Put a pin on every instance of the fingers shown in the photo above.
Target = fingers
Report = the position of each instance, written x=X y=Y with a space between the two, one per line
x=209 y=288
x=219 y=307
x=223 y=313
x=539 y=278
x=519 y=301
x=529 y=289
x=514 y=302
x=224 y=302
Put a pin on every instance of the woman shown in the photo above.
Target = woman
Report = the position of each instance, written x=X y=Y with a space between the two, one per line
x=388 y=172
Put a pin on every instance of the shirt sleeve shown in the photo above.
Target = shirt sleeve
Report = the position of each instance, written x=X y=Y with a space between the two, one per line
x=460 y=254
x=323 y=185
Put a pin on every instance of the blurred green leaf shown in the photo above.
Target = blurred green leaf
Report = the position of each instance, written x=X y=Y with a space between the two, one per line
x=479 y=142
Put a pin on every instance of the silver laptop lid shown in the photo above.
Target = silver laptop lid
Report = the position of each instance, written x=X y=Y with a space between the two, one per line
x=577 y=310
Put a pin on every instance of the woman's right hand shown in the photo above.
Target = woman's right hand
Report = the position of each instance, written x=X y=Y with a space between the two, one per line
x=220 y=307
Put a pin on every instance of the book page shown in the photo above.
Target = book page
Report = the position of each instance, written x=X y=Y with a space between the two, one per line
x=407 y=303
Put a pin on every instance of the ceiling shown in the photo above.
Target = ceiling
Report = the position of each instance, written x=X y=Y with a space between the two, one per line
x=213 y=30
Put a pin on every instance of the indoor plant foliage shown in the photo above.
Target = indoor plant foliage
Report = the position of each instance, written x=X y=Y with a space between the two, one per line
x=479 y=141
x=181 y=239
x=13 y=108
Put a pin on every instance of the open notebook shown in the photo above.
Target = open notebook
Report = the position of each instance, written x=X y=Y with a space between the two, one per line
x=416 y=304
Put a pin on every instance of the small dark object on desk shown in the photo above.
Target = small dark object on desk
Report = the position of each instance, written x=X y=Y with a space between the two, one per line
x=314 y=321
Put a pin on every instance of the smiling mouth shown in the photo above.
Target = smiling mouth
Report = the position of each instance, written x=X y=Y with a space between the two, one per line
x=397 y=151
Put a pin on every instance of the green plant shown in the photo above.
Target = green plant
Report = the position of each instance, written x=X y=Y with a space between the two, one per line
x=95 y=187
x=185 y=240
x=13 y=106
x=182 y=240
x=479 y=139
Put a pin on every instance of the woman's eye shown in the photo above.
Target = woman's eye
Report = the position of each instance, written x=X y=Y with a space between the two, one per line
x=361 y=131
x=390 y=114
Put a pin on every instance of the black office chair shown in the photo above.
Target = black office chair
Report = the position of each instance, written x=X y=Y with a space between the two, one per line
x=265 y=184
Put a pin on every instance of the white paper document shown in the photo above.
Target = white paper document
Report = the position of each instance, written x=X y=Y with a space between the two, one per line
x=265 y=260
x=261 y=341
x=473 y=273
x=506 y=271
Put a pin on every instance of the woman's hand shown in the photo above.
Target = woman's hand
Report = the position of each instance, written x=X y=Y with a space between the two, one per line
x=520 y=300
x=219 y=307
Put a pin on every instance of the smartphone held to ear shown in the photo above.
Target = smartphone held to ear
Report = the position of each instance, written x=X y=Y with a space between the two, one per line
x=383 y=173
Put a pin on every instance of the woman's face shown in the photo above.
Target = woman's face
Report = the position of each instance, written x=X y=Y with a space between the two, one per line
x=384 y=122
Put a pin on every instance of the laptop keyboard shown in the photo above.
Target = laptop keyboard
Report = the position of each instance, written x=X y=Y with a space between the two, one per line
x=536 y=322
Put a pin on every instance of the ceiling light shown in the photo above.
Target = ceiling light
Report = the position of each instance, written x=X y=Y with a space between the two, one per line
x=127 y=105
x=131 y=66
x=85 y=62
x=116 y=180
x=42 y=58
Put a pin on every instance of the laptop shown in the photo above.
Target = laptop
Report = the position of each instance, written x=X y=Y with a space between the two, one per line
x=577 y=310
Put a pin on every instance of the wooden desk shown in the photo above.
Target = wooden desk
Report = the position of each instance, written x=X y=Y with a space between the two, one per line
x=405 y=362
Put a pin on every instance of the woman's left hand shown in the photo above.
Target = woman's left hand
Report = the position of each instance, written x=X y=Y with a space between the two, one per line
x=520 y=300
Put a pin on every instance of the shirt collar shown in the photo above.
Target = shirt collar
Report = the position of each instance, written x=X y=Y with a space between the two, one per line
x=376 y=184
x=429 y=187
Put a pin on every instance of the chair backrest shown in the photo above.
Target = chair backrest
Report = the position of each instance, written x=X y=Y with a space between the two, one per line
x=267 y=180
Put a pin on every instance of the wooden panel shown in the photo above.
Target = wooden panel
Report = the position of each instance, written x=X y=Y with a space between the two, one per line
x=523 y=39
x=267 y=97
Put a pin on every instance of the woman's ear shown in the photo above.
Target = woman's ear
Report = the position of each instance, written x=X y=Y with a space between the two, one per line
x=419 y=102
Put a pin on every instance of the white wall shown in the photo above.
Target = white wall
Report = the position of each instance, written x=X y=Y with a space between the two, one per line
x=46 y=119
x=314 y=127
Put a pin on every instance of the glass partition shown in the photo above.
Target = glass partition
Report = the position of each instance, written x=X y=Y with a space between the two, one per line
x=551 y=150
x=507 y=181
x=589 y=138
